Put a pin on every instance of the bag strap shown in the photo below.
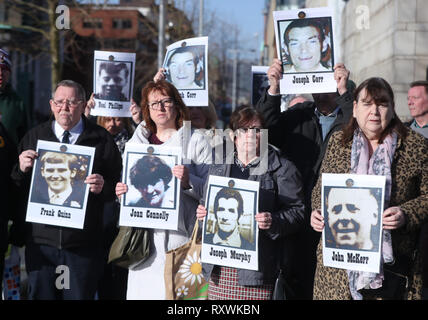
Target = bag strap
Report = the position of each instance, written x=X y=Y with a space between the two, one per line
x=195 y=232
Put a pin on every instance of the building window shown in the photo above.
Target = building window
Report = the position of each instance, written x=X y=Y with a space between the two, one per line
x=122 y=24
x=92 y=23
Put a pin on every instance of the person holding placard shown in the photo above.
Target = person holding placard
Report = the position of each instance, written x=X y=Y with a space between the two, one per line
x=164 y=116
x=280 y=215
x=8 y=195
x=48 y=246
x=376 y=142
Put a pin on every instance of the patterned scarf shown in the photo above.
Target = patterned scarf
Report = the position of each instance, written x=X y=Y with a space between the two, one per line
x=121 y=138
x=378 y=164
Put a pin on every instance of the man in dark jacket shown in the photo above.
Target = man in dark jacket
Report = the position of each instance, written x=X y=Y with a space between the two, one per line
x=302 y=133
x=7 y=196
x=417 y=101
x=14 y=115
x=66 y=263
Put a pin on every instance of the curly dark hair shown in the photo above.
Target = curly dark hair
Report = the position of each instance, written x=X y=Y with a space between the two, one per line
x=148 y=170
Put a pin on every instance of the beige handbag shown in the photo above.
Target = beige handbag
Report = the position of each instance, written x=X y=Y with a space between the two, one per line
x=183 y=271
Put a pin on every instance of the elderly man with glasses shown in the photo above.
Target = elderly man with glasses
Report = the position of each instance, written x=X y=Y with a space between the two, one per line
x=49 y=247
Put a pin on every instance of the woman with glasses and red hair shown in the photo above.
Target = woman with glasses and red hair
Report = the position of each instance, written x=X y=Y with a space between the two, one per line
x=164 y=116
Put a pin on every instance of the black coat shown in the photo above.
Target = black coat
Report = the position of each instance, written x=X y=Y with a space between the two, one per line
x=297 y=133
x=8 y=157
x=107 y=162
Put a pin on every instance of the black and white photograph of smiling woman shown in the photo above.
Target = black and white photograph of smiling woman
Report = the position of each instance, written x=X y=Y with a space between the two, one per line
x=152 y=177
x=153 y=196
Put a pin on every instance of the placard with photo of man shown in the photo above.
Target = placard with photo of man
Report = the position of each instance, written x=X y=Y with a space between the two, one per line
x=230 y=234
x=305 y=45
x=153 y=196
x=352 y=208
x=113 y=83
x=186 y=65
x=58 y=194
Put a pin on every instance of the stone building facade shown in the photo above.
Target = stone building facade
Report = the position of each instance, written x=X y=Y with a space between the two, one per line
x=385 y=38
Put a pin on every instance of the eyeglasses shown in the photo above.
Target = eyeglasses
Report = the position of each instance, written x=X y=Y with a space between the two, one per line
x=165 y=103
x=71 y=103
x=256 y=130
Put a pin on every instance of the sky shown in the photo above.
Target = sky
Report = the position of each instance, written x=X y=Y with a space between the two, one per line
x=246 y=13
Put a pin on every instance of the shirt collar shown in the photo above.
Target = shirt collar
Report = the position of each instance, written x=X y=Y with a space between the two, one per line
x=332 y=115
x=416 y=125
x=242 y=166
x=74 y=132
x=233 y=240
x=59 y=197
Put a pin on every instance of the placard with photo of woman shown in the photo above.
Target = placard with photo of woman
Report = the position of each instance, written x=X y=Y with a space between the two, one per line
x=153 y=196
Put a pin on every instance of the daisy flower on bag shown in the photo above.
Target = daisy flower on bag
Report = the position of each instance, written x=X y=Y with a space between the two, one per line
x=182 y=291
x=191 y=269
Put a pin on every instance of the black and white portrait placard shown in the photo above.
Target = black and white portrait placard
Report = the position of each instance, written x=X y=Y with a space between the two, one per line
x=113 y=83
x=352 y=206
x=305 y=46
x=230 y=233
x=186 y=64
x=153 y=196
x=58 y=194
x=259 y=82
